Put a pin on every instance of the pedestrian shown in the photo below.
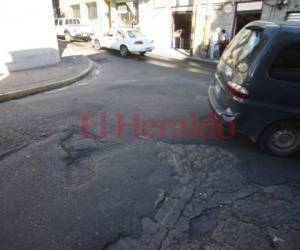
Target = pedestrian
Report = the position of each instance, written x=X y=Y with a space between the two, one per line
x=223 y=41
x=215 y=44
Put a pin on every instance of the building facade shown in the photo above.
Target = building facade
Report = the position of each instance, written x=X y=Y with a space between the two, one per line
x=29 y=39
x=161 y=20
x=233 y=15
x=95 y=13
x=184 y=24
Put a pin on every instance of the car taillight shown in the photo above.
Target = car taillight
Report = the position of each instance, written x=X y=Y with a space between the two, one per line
x=138 y=42
x=237 y=90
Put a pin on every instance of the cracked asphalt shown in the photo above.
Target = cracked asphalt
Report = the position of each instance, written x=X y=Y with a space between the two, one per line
x=59 y=190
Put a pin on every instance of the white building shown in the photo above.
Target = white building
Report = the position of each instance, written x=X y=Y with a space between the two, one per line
x=95 y=13
x=28 y=37
x=158 y=19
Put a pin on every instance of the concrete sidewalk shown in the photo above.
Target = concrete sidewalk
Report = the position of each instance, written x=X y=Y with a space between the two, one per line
x=178 y=54
x=28 y=82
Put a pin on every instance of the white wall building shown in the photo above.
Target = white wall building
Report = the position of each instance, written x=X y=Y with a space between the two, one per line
x=95 y=13
x=28 y=37
x=158 y=19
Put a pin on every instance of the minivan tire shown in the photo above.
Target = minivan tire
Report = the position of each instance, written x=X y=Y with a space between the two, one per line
x=281 y=139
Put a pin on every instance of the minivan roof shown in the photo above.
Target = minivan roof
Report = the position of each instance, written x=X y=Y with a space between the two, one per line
x=293 y=26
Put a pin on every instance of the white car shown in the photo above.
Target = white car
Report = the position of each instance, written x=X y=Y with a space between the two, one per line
x=126 y=40
x=71 y=29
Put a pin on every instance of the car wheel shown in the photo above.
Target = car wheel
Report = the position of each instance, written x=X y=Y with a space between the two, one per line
x=142 y=53
x=124 y=52
x=97 y=44
x=281 y=139
x=68 y=37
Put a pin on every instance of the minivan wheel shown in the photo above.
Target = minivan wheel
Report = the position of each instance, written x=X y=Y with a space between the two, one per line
x=124 y=52
x=281 y=139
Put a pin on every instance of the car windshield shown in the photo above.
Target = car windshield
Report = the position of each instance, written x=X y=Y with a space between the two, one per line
x=135 y=33
x=243 y=48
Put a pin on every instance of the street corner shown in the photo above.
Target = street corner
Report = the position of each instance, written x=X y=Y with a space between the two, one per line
x=33 y=81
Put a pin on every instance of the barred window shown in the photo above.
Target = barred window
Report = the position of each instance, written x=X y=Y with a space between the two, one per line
x=92 y=10
x=76 y=10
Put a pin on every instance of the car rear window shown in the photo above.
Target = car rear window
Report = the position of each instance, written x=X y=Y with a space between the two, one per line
x=243 y=48
x=134 y=33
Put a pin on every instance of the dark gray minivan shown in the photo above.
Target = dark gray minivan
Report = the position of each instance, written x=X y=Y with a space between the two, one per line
x=257 y=85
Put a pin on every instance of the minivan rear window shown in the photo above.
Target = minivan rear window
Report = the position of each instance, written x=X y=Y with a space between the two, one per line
x=243 y=48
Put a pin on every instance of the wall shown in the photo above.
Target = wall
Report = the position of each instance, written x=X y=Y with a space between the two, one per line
x=29 y=39
x=276 y=15
x=156 y=22
x=210 y=15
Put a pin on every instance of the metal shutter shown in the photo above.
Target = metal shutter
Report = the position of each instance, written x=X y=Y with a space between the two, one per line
x=294 y=16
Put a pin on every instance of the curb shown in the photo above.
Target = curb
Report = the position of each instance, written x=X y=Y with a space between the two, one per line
x=186 y=58
x=50 y=86
x=211 y=62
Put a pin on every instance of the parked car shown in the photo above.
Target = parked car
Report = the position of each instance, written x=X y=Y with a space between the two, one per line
x=257 y=85
x=71 y=29
x=126 y=40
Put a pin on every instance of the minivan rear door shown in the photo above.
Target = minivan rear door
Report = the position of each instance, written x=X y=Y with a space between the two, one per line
x=234 y=66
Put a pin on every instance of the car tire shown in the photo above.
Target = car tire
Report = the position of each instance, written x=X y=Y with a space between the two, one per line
x=68 y=37
x=97 y=44
x=281 y=139
x=142 y=53
x=124 y=52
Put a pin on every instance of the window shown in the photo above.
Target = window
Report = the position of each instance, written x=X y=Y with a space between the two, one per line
x=92 y=10
x=119 y=34
x=135 y=34
x=56 y=22
x=243 y=47
x=60 y=22
x=76 y=10
x=67 y=21
x=240 y=53
x=287 y=65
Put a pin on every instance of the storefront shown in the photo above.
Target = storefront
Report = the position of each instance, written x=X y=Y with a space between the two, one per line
x=246 y=12
x=182 y=27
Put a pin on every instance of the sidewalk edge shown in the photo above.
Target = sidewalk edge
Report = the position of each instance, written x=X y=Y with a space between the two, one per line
x=211 y=62
x=50 y=86
x=185 y=58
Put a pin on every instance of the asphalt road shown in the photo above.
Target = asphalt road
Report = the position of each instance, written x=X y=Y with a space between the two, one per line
x=59 y=190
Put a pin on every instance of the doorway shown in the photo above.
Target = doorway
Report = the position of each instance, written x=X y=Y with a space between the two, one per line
x=182 y=29
x=243 y=18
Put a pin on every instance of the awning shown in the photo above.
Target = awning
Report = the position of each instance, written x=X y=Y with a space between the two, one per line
x=249 y=6
x=122 y=1
x=293 y=17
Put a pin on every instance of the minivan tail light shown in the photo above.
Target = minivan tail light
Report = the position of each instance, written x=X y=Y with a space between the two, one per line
x=138 y=42
x=237 y=90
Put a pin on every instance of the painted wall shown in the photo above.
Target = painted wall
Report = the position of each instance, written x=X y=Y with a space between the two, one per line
x=156 y=22
x=276 y=15
x=28 y=37
x=210 y=15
